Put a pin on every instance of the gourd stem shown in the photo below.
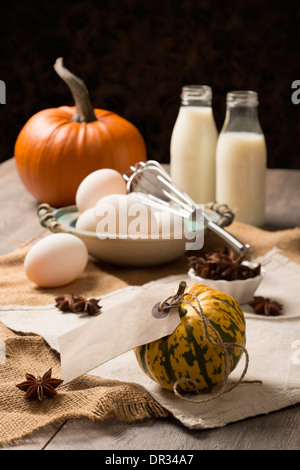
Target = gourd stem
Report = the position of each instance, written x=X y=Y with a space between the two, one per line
x=181 y=288
x=84 y=109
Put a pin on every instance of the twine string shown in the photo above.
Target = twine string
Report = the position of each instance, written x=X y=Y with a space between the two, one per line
x=173 y=302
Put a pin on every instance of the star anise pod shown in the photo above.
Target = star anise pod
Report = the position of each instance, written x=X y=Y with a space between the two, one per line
x=66 y=302
x=77 y=304
x=89 y=306
x=222 y=264
x=265 y=306
x=201 y=266
x=38 y=387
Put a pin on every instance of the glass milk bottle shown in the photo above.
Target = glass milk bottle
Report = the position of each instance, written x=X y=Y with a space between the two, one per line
x=193 y=144
x=241 y=157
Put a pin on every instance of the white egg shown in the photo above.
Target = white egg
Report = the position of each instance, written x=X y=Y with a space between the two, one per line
x=87 y=220
x=98 y=184
x=124 y=215
x=56 y=260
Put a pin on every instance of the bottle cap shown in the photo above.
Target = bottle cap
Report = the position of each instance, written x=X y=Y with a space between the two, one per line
x=195 y=95
x=242 y=98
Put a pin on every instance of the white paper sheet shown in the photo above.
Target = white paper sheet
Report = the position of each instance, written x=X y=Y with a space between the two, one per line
x=117 y=330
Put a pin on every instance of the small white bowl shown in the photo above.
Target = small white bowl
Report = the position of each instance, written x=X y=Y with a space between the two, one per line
x=241 y=290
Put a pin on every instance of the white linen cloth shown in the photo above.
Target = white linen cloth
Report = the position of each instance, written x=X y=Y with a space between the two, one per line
x=273 y=344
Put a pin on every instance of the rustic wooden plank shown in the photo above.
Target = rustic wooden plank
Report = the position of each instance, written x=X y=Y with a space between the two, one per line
x=282 y=199
x=37 y=440
x=278 y=430
x=18 y=216
x=19 y=221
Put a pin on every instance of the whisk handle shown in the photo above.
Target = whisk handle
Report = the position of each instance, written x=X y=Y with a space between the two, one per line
x=236 y=244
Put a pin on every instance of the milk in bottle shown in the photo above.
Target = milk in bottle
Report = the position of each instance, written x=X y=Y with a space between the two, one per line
x=193 y=144
x=241 y=159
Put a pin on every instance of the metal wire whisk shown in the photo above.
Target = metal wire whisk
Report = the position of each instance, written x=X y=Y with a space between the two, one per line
x=156 y=188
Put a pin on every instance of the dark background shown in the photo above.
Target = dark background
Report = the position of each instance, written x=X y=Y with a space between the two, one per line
x=136 y=55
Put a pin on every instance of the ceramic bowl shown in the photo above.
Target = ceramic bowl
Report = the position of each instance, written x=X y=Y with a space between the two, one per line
x=123 y=252
x=241 y=290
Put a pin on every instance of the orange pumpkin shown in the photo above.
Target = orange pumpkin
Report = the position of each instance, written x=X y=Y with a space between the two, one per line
x=58 y=147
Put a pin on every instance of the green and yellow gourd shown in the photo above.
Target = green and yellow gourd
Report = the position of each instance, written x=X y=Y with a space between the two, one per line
x=187 y=352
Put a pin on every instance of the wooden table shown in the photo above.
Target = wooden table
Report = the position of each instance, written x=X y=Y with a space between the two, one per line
x=278 y=430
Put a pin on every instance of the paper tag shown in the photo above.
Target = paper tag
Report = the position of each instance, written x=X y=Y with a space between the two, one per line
x=117 y=330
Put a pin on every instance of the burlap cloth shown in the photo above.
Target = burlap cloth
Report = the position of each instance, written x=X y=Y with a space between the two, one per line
x=89 y=396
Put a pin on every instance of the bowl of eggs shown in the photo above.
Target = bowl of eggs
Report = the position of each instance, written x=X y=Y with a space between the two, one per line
x=117 y=227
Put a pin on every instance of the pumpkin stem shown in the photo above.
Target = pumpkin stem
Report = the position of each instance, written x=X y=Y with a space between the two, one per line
x=85 y=112
x=181 y=288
